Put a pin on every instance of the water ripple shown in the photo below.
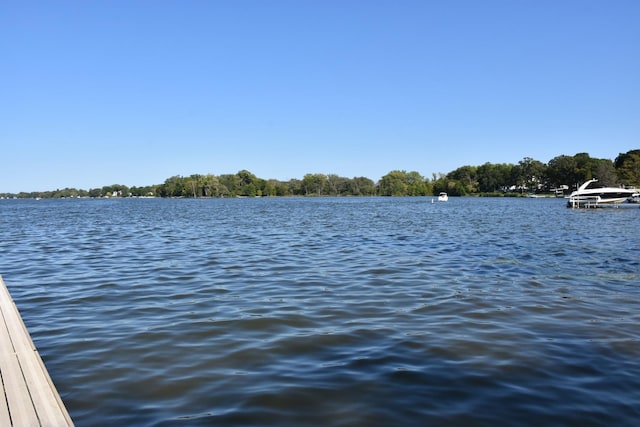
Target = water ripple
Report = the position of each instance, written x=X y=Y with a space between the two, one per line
x=354 y=311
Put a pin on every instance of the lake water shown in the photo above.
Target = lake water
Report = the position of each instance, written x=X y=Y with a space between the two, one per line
x=331 y=311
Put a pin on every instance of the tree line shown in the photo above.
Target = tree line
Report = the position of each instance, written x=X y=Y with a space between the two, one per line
x=561 y=173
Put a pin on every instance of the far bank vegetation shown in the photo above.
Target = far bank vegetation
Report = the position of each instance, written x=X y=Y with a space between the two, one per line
x=559 y=176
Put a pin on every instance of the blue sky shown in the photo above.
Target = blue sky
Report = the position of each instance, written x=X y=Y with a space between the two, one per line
x=131 y=92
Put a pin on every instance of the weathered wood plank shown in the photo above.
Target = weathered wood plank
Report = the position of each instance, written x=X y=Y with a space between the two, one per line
x=37 y=382
x=15 y=388
x=31 y=397
x=5 y=419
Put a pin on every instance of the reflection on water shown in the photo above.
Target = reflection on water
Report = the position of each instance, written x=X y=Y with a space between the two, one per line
x=332 y=311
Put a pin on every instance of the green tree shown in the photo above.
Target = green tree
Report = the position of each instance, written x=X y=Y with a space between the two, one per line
x=314 y=184
x=466 y=180
x=336 y=185
x=295 y=187
x=417 y=185
x=494 y=177
x=588 y=168
x=249 y=184
x=362 y=186
x=584 y=167
x=172 y=187
x=230 y=184
x=628 y=167
x=208 y=186
x=142 y=191
x=394 y=184
x=95 y=192
x=440 y=183
x=531 y=174
x=191 y=186
x=562 y=170
x=605 y=171
x=269 y=188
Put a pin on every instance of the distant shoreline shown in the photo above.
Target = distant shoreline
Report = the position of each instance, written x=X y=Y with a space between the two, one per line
x=529 y=177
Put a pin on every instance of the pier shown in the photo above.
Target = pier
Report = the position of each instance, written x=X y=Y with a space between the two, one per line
x=29 y=397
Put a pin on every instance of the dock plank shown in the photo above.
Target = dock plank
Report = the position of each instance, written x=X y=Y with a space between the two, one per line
x=15 y=388
x=5 y=419
x=30 y=396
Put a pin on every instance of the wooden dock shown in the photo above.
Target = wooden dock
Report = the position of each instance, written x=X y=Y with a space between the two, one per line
x=29 y=397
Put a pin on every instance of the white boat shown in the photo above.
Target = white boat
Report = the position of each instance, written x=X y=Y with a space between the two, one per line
x=442 y=197
x=591 y=194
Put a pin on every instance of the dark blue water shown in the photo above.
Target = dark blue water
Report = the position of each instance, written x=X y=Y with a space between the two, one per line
x=332 y=311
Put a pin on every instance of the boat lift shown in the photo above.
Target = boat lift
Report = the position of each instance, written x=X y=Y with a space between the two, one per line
x=584 y=202
x=592 y=202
